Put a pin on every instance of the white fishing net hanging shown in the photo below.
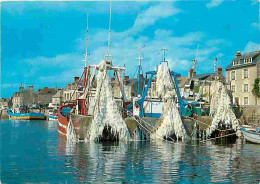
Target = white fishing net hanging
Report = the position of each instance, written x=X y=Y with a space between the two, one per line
x=163 y=82
x=71 y=134
x=106 y=112
x=222 y=112
x=171 y=119
x=171 y=123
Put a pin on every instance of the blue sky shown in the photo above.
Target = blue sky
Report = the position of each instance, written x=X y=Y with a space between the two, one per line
x=43 y=42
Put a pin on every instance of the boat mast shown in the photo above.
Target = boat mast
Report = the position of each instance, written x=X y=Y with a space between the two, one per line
x=139 y=69
x=108 y=56
x=86 y=55
x=86 y=59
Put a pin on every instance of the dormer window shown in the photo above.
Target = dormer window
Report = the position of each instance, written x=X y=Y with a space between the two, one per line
x=248 y=60
x=236 y=62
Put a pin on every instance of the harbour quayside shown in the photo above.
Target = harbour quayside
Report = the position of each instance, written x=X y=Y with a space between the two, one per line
x=157 y=111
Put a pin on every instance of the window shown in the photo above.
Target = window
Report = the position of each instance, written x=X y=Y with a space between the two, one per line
x=237 y=100
x=248 y=60
x=233 y=75
x=233 y=88
x=245 y=73
x=245 y=87
x=236 y=62
x=246 y=101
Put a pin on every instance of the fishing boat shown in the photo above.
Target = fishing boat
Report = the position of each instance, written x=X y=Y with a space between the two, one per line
x=250 y=134
x=77 y=116
x=52 y=116
x=26 y=116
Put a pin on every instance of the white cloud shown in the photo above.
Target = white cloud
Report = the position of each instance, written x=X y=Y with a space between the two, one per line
x=10 y=85
x=251 y=46
x=214 y=3
x=91 y=7
x=153 y=14
x=124 y=48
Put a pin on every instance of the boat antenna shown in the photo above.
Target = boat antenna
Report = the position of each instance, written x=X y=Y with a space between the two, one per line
x=164 y=54
x=215 y=63
x=195 y=60
x=86 y=54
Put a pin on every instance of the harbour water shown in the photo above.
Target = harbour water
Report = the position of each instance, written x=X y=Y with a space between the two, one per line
x=33 y=152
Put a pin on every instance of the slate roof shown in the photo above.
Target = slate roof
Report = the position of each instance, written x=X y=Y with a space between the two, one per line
x=182 y=81
x=47 y=90
x=204 y=76
x=255 y=58
x=58 y=94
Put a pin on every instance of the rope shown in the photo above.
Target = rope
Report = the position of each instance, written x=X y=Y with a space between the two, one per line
x=207 y=124
x=172 y=140
x=218 y=137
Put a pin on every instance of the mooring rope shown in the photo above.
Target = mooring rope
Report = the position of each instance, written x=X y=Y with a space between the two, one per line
x=218 y=137
x=172 y=140
x=207 y=124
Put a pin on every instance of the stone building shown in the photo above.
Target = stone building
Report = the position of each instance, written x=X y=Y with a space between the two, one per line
x=5 y=103
x=16 y=99
x=73 y=91
x=189 y=85
x=57 y=99
x=25 y=97
x=44 y=95
x=241 y=74
x=130 y=87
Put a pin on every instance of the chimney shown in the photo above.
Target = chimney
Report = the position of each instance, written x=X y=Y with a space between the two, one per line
x=67 y=86
x=76 y=79
x=31 y=88
x=238 y=54
x=191 y=73
x=219 y=71
x=21 y=88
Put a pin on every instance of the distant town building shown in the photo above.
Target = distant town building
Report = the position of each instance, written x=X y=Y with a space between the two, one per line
x=45 y=95
x=241 y=74
x=190 y=85
x=73 y=91
x=130 y=87
x=5 y=103
x=16 y=99
x=57 y=99
x=25 y=97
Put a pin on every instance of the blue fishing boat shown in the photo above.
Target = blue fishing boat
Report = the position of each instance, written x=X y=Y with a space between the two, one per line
x=52 y=116
x=26 y=116
x=251 y=135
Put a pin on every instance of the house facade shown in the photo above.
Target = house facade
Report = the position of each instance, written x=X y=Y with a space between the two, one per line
x=57 y=99
x=72 y=91
x=25 y=97
x=241 y=74
x=190 y=85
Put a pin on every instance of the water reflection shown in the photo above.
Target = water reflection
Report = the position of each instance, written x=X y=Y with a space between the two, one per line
x=161 y=162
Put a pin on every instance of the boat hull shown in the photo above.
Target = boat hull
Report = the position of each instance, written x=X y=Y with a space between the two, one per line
x=251 y=136
x=26 y=116
x=62 y=121
x=53 y=118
